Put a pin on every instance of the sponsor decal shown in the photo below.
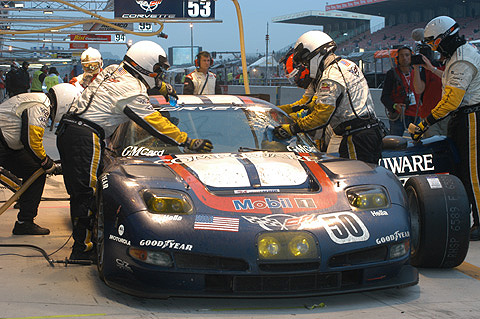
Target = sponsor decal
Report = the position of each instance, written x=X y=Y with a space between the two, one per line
x=261 y=204
x=166 y=218
x=121 y=230
x=380 y=212
x=141 y=151
x=434 y=182
x=251 y=155
x=120 y=240
x=207 y=222
x=279 y=221
x=148 y=16
x=148 y=6
x=344 y=227
x=212 y=108
x=122 y=264
x=250 y=191
x=246 y=204
x=169 y=243
x=324 y=86
x=393 y=237
x=104 y=181
x=301 y=148
x=408 y=164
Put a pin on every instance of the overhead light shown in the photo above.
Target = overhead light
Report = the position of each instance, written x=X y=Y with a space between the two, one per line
x=18 y=5
x=54 y=30
x=54 y=60
x=47 y=12
x=47 y=40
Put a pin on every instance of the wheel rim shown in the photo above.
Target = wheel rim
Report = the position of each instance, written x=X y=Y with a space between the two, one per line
x=415 y=223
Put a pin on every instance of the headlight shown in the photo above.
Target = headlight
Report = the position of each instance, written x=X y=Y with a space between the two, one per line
x=167 y=202
x=399 y=250
x=151 y=257
x=286 y=245
x=368 y=197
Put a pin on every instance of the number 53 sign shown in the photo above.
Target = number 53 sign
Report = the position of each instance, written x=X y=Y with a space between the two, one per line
x=165 y=9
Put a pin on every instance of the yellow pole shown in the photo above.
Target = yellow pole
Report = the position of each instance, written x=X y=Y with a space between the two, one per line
x=242 y=48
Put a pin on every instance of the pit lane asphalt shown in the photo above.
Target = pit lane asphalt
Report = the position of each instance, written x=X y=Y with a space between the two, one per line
x=30 y=288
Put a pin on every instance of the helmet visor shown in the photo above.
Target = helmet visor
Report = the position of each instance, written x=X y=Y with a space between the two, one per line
x=91 y=67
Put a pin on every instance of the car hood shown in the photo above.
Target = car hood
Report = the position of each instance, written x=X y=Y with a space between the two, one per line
x=233 y=170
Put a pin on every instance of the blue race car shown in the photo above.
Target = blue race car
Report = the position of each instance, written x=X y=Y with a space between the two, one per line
x=259 y=217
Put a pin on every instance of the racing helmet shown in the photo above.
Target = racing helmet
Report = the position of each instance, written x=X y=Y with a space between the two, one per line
x=147 y=60
x=91 y=60
x=296 y=73
x=439 y=29
x=311 y=48
x=62 y=96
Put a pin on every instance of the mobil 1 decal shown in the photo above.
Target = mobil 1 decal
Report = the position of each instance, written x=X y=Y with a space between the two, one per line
x=344 y=227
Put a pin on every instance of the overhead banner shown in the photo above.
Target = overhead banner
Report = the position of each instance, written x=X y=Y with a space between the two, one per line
x=164 y=9
x=78 y=45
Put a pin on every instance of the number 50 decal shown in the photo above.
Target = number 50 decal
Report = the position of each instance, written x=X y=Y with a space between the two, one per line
x=344 y=227
x=199 y=8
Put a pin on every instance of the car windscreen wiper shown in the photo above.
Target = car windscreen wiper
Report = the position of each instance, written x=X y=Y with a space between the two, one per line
x=246 y=149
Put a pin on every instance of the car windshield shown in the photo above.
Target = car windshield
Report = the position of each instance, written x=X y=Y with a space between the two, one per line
x=231 y=128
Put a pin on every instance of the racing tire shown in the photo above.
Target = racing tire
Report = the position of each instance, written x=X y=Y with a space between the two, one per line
x=440 y=221
x=99 y=235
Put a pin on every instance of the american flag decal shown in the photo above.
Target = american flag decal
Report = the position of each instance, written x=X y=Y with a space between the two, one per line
x=207 y=222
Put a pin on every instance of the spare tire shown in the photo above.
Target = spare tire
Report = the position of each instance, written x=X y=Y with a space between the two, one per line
x=440 y=220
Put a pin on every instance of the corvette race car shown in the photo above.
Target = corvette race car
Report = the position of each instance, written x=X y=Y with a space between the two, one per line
x=259 y=217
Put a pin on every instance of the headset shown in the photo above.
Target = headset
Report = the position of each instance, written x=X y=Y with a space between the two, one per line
x=200 y=54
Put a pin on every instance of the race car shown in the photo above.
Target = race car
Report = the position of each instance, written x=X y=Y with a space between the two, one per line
x=259 y=217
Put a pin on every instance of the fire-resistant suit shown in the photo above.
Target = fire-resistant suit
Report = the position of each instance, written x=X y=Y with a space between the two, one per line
x=343 y=100
x=114 y=97
x=461 y=99
x=23 y=119
x=195 y=83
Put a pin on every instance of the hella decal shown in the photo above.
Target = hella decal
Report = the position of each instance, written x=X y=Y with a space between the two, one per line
x=279 y=221
x=407 y=164
x=141 y=151
x=247 y=204
x=344 y=227
x=169 y=243
x=393 y=237
x=380 y=212
x=119 y=240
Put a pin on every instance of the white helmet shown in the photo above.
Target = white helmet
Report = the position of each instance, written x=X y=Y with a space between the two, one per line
x=62 y=96
x=91 y=60
x=148 y=60
x=438 y=29
x=311 y=48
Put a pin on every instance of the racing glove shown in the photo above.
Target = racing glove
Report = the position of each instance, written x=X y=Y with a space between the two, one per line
x=198 y=145
x=416 y=131
x=285 y=131
x=166 y=90
x=51 y=167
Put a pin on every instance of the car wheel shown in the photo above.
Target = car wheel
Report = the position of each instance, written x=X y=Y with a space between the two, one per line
x=440 y=220
x=100 y=236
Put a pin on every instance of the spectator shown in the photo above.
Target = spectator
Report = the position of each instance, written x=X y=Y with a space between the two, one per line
x=52 y=79
x=17 y=79
x=2 y=86
x=37 y=79
x=202 y=81
x=398 y=94
x=427 y=81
